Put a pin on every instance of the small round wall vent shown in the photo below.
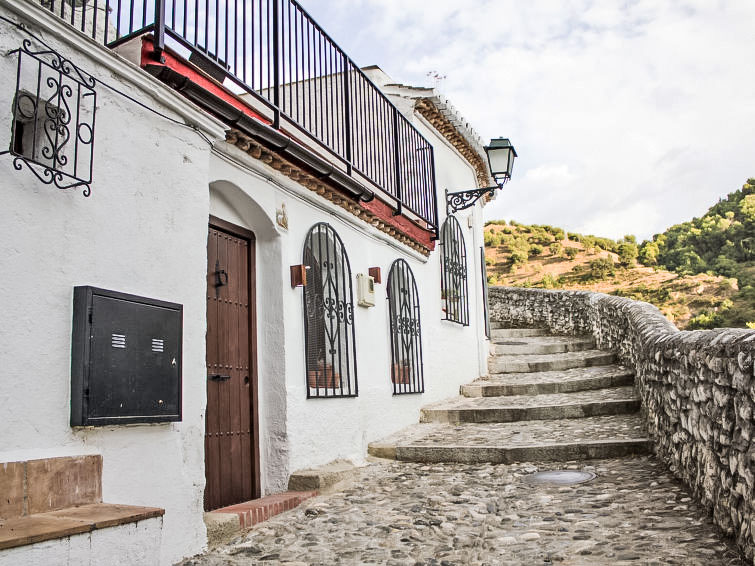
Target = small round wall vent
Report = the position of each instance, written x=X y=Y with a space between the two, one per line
x=560 y=477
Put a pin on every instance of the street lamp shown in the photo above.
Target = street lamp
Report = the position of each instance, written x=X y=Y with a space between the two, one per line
x=501 y=155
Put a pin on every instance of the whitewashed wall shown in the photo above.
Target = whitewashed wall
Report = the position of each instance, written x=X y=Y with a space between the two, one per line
x=320 y=430
x=144 y=231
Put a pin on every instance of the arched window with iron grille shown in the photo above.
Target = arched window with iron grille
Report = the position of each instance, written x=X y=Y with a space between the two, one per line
x=328 y=316
x=453 y=273
x=407 y=372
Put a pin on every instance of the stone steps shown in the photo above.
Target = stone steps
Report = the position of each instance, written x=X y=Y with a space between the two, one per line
x=541 y=345
x=518 y=363
x=547 y=398
x=504 y=333
x=566 y=381
x=608 y=401
x=504 y=443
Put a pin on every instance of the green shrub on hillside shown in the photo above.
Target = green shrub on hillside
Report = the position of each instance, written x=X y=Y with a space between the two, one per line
x=571 y=253
x=549 y=282
x=556 y=248
x=627 y=254
x=648 y=253
x=601 y=268
x=518 y=257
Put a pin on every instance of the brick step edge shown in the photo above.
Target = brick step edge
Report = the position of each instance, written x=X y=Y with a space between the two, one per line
x=252 y=512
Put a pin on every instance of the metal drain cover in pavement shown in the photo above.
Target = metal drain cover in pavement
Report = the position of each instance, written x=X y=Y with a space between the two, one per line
x=560 y=477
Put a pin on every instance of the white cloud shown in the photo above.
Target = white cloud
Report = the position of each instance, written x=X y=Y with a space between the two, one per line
x=628 y=116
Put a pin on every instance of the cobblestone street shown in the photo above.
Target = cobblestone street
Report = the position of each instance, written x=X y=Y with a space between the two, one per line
x=395 y=513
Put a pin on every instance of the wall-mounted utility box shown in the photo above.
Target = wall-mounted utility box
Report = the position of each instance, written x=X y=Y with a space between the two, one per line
x=365 y=290
x=125 y=359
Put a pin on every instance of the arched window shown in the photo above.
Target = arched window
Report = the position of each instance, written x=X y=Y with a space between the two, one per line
x=453 y=273
x=406 y=344
x=328 y=316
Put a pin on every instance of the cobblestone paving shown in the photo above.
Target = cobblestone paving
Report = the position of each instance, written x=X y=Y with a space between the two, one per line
x=401 y=514
x=575 y=374
x=577 y=397
x=526 y=433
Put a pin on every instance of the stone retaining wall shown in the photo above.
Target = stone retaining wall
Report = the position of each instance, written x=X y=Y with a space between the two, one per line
x=697 y=389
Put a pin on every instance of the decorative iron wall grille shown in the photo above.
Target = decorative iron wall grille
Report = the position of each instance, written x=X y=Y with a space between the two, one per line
x=328 y=316
x=275 y=52
x=483 y=268
x=53 y=119
x=453 y=273
x=407 y=371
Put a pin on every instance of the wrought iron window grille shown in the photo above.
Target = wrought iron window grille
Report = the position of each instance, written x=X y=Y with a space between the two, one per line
x=407 y=368
x=52 y=132
x=330 y=346
x=453 y=280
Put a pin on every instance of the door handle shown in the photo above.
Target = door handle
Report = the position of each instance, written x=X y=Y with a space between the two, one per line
x=218 y=377
x=221 y=276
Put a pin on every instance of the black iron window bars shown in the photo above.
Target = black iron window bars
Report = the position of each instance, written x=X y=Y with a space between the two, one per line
x=328 y=316
x=453 y=280
x=407 y=371
x=52 y=132
x=274 y=51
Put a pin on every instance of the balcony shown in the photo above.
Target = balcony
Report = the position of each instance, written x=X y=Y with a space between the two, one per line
x=272 y=54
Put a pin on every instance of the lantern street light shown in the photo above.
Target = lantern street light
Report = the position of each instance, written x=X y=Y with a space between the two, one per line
x=501 y=155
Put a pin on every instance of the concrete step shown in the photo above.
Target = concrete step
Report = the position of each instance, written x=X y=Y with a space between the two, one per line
x=505 y=443
x=517 y=363
x=539 y=383
x=504 y=333
x=611 y=401
x=541 y=345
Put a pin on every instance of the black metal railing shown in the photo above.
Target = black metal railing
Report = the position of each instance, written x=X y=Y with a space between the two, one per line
x=275 y=52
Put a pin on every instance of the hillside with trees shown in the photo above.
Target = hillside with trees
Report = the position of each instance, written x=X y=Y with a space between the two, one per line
x=701 y=273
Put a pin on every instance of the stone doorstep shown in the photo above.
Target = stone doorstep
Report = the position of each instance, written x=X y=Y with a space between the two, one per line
x=252 y=512
x=39 y=527
x=323 y=479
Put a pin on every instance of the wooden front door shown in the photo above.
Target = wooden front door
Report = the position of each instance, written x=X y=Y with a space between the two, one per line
x=231 y=436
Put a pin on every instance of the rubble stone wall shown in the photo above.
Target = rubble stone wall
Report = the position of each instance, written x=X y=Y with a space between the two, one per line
x=697 y=389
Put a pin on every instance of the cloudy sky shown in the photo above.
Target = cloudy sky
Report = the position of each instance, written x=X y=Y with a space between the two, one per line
x=628 y=116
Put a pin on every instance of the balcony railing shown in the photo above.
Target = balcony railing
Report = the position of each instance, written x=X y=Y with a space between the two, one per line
x=273 y=51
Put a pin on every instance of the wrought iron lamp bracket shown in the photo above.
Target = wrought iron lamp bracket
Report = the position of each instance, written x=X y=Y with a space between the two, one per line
x=460 y=200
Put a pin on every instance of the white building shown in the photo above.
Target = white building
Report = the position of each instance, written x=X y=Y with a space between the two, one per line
x=204 y=197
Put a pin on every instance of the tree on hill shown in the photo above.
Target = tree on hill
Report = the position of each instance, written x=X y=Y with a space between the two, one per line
x=627 y=254
x=718 y=241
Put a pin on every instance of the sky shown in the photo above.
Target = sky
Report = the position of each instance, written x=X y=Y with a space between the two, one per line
x=628 y=116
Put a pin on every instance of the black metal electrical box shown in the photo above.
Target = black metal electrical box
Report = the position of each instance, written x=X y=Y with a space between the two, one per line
x=125 y=360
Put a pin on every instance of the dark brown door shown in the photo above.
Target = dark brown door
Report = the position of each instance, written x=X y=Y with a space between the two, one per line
x=231 y=437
